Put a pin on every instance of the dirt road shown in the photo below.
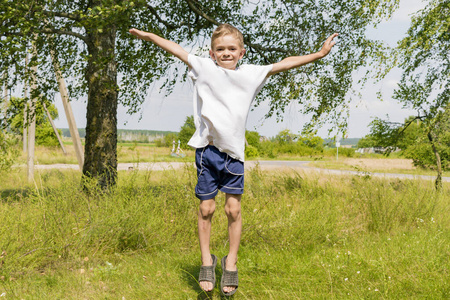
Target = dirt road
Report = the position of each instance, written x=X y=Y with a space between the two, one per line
x=263 y=164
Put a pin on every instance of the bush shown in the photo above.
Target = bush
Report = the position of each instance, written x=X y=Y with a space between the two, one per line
x=252 y=138
x=167 y=140
x=251 y=151
x=347 y=152
x=186 y=131
x=45 y=136
x=8 y=151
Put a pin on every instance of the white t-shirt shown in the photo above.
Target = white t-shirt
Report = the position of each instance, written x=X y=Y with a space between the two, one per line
x=222 y=100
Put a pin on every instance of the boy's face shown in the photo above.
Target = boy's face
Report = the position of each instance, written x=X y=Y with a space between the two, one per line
x=226 y=51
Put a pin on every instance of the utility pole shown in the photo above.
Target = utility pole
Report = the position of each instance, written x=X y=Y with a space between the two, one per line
x=32 y=125
x=5 y=94
x=25 y=111
x=68 y=110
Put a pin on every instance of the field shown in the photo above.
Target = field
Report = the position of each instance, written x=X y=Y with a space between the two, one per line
x=379 y=164
x=305 y=236
x=126 y=152
x=147 y=152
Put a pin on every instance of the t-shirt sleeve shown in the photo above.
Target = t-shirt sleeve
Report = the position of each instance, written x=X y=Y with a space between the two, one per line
x=258 y=75
x=196 y=64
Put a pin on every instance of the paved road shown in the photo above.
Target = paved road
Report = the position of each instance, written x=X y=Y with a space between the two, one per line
x=263 y=164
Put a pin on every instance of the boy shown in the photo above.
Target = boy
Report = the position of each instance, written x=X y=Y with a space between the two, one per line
x=223 y=94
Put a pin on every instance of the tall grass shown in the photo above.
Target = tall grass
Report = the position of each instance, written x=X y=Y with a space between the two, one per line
x=304 y=236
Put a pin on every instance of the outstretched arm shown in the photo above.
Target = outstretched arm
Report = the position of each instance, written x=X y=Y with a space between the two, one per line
x=297 y=61
x=164 y=44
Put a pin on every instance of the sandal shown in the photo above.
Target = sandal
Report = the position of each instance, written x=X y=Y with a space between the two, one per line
x=208 y=273
x=229 y=278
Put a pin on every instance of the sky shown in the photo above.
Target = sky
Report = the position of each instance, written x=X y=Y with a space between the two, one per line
x=169 y=113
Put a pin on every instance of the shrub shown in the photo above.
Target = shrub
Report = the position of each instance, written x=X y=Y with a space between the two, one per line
x=251 y=151
x=8 y=150
x=252 y=138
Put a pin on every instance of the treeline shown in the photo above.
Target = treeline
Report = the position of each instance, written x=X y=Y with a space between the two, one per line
x=288 y=143
x=284 y=143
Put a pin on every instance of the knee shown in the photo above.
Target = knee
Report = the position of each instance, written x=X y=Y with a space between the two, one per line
x=233 y=211
x=207 y=208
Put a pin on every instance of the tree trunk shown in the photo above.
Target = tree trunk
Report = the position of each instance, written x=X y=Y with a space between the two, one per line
x=438 y=182
x=100 y=156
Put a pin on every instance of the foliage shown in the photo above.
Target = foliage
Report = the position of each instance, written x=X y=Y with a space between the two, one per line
x=412 y=138
x=425 y=82
x=92 y=46
x=44 y=131
x=423 y=57
x=167 y=140
x=367 y=142
x=252 y=138
x=8 y=151
x=272 y=31
x=251 y=151
x=421 y=150
x=311 y=141
x=286 y=142
x=186 y=131
x=285 y=137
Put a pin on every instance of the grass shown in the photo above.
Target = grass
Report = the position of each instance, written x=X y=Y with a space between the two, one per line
x=304 y=237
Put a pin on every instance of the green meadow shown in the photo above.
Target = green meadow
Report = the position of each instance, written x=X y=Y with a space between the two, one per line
x=305 y=236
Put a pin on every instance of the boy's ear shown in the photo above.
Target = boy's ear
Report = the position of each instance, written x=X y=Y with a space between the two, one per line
x=241 y=55
x=211 y=54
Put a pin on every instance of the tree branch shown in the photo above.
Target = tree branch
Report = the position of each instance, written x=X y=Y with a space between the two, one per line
x=201 y=13
x=155 y=13
x=74 y=17
x=410 y=122
x=247 y=41
x=71 y=33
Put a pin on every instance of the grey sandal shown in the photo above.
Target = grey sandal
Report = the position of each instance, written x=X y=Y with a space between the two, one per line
x=208 y=273
x=229 y=278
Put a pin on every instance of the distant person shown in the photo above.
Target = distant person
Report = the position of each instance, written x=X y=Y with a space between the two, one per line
x=223 y=94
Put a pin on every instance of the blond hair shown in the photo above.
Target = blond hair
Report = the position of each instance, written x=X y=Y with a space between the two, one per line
x=227 y=29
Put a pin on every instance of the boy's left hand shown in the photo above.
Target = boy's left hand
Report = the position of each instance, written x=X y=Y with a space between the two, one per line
x=329 y=43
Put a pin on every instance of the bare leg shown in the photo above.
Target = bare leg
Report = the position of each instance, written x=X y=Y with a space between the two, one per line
x=233 y=211
x=205 y=214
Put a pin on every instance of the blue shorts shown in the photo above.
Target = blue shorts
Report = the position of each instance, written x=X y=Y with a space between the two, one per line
x=217 y=171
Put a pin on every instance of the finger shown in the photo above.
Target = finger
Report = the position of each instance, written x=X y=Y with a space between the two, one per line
x=331 y=39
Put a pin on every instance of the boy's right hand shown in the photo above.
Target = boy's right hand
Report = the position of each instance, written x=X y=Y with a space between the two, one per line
x=136 y=32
